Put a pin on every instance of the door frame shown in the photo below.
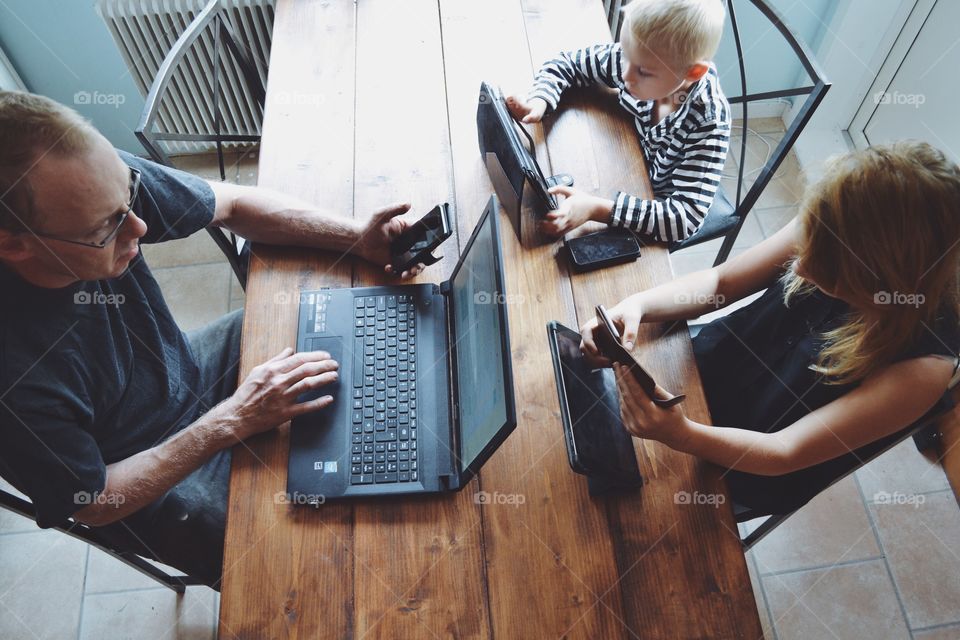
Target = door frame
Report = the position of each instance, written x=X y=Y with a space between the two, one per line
x=9 y=78
x=917 y=18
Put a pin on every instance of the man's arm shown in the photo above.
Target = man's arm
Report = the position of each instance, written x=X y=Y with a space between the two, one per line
x=263 y=215
x=265 y=400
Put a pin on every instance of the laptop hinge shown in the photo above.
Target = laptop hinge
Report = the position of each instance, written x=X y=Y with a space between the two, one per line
x=447 y=461
x=445 y=288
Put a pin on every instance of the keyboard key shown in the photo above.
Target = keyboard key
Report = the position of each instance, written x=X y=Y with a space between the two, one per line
x=387 y=436
x=386 y=477
x=361 y=479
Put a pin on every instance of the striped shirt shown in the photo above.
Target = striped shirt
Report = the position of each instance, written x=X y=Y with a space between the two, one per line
x=685 y=152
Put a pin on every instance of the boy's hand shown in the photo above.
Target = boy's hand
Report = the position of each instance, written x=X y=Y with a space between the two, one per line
x=577 y=207
x=527 y=112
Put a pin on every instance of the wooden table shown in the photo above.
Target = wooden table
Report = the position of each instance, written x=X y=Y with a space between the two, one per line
x=374 y=102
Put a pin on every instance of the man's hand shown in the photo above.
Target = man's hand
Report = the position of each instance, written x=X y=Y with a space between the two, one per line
x=527 y=112
x=577 y=208
x=381 y=229
x=626 y=317
x=268 y=396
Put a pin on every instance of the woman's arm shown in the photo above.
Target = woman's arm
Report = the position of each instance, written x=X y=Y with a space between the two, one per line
x=884 y=403
x=701 y=292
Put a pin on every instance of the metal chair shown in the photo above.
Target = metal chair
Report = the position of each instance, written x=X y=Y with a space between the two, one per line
x=929 y=423
x=726 y=216
x=89 y=535
x=212 y=17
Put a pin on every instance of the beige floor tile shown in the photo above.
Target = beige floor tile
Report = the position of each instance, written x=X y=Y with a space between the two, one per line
x=41 y=585
x=787 y=186
x=196 y=295
x=107 y=574
x=155 y=614
x=951 y=632
x=766 y=623
x=247 y=167
x=198 y=248
x=902 y=470
x=772 y=220
x=762 y=125
x=846 y=602
x=833 y=527
x=9 y=521
x=206 y=165
x=921 y=540
x=685 y=262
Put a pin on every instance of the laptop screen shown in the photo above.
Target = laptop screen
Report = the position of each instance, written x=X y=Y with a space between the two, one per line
x=482 y=351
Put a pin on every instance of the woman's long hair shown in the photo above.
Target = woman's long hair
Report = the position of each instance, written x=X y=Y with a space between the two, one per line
x=881 y=231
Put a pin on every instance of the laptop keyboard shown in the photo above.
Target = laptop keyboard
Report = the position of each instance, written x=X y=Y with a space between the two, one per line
x=384 y=438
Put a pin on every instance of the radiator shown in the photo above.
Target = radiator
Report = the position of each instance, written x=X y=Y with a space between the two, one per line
x=146 y=30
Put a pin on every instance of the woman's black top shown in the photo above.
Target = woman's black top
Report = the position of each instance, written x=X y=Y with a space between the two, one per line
x=755 y=366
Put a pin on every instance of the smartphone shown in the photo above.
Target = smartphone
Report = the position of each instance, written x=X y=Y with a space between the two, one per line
x=416 y=244
x=603 y=249
x=608 y=342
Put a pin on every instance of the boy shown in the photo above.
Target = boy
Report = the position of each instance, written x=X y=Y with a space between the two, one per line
x=662 y=70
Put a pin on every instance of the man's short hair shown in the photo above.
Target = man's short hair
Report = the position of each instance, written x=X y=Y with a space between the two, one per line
x=32 y=126
x=681 y=32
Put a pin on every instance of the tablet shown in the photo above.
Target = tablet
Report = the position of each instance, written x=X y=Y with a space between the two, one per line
x=598 y=445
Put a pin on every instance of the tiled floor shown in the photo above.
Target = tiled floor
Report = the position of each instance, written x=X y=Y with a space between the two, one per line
x=876 y=556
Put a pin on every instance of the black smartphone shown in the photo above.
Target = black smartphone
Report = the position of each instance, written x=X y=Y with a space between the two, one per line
x=603 y=249
x=608 y=342
x=415 y=245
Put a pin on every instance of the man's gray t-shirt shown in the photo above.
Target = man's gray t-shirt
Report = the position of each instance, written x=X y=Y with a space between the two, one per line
x=98 y=371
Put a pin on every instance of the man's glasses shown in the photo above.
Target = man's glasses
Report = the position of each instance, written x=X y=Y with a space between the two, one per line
x=119 y=218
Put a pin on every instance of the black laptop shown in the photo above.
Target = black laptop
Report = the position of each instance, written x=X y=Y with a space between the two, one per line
x=425 y=393
x=516 y=176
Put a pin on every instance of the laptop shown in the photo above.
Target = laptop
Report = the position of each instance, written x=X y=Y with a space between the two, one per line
x=516 y=176
x=425 y=393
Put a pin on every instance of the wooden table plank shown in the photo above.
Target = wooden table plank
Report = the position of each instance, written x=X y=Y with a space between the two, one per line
x=550 y=558
x=425 y=554
x=288 y=572
x=681 y=566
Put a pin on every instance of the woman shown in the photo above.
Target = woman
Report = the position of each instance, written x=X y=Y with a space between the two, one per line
x=855 y=338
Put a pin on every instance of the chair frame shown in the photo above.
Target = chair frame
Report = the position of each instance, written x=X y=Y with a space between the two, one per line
x=814 y=93
x=927 y=421
x=146 y=129
x=88 y=534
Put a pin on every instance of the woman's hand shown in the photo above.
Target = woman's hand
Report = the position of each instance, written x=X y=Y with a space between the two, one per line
x=642 y=418
x=577 y=208
x=627 y=316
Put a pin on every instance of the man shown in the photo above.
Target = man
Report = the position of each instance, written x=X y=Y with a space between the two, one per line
x=108 y=413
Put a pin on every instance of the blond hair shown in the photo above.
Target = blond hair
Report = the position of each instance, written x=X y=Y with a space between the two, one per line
x=30 y=127
x=683 y=32
x=881 y=230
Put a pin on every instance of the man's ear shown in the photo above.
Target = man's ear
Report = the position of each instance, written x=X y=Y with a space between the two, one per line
x=697 y=71
x=13 y=248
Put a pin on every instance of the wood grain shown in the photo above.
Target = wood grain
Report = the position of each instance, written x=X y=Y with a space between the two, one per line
x=374 y=102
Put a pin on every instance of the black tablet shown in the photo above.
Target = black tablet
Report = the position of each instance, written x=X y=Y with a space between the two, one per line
x=598 y=445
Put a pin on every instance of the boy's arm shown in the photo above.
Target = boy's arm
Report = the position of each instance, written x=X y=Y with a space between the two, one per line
x=581 y=68
x=693 y=186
